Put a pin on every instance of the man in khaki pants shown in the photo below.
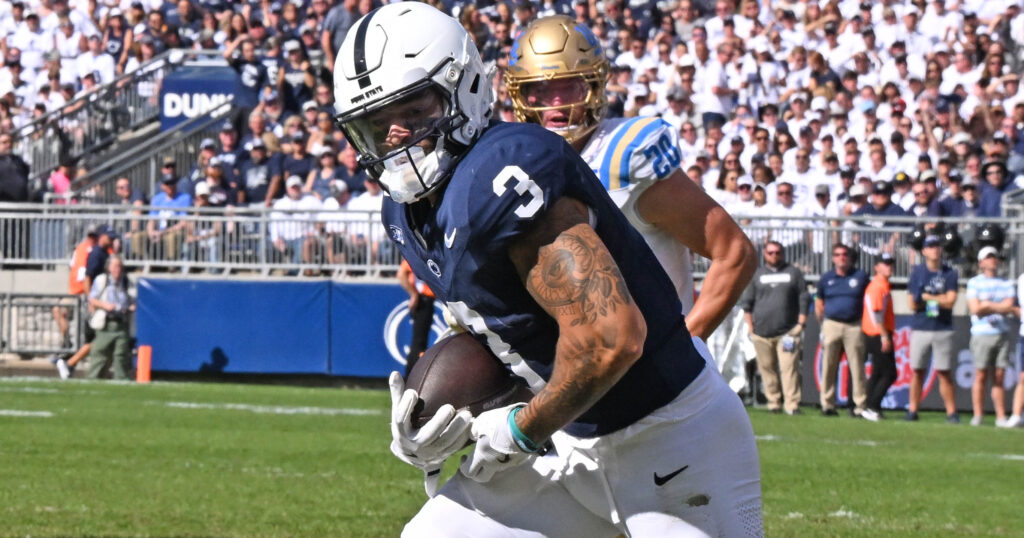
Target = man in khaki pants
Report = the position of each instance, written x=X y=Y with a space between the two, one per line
x=839 y=305
x=775 y=306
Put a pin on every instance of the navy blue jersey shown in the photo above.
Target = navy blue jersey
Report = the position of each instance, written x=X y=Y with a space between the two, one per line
x=506 y=182
x=843 y=295
x=290 y=166
x=923 y=280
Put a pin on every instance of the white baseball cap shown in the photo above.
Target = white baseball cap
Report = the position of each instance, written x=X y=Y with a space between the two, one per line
x=985 y=252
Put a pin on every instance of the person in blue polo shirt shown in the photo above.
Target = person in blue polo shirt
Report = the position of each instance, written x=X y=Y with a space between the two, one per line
x=838 y=305
x=165 y=231
x=931 y=293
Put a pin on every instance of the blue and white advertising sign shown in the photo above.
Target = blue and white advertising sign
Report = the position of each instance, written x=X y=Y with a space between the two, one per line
x=193 y=91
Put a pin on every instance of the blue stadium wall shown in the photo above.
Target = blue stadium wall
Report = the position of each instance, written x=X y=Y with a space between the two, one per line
x=281 y=327
x=363 y=330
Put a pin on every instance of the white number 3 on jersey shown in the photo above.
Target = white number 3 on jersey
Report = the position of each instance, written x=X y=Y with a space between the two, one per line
x=523 y=185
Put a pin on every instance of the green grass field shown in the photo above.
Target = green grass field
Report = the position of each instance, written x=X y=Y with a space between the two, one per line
x=81 y=458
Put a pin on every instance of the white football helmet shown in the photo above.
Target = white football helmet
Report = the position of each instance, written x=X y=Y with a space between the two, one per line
x=409 y=52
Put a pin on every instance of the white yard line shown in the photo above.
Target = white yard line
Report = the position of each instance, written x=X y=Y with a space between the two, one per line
x=275 y=409
x=1008 y=457
x=857 y=442
x=29 y=389
x=23 y=413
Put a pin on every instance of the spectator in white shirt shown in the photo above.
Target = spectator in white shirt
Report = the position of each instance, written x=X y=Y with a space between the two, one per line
x=719 y=96
x=80 y=19
x=827 y=210
x=68 y=42
x=743 y=203
x=714 y=25
x=96 y=60
x=292 y=232
x=32 y=41
x=761 y=145
x=334 y=221
x=802 y=178
x=805 y=140
x=11 y=21
x=367 y=232
x=798 y=107
x=680 y=108
x=878 y=169
x=635 y=56
x=938 y=23
x=961 y=72
x=689 y=143
x=786 y=229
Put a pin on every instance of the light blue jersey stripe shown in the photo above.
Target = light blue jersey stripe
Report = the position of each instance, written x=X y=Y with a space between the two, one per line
x=624 y=165
x=604 y=174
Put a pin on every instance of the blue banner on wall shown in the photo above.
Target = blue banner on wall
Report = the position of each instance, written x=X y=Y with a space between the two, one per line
x=371 y=329
x=234 y=327
x=192 y=91
x=898 y=395
x=320 y=327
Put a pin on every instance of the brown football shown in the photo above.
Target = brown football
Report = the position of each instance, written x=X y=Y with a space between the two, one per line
x=460 y=371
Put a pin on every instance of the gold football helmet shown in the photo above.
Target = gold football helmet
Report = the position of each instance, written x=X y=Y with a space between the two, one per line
x=557 y=48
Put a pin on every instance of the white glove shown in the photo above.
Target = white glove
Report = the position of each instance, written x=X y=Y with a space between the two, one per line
x=496 y=449
x=425 y=448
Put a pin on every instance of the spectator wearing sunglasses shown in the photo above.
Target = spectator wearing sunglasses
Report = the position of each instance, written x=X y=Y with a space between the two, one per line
x=838 y=305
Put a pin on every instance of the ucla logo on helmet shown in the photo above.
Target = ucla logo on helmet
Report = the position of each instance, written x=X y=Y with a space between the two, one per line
x=589 y=36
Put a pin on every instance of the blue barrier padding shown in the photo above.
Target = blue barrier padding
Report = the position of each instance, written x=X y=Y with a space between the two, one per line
x=371 y=329
x=235 y=327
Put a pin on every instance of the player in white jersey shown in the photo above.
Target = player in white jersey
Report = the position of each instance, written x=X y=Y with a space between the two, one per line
x=556 y=78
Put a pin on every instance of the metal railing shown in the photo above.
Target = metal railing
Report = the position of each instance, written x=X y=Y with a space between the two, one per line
x=261 y=240
x=217 y=241
x=808 y=242
x=28 y=323
x=1013 y=205
x=94 y=120
x=141 y=164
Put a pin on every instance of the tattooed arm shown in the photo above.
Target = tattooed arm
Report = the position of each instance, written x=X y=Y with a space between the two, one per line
x=570 y=273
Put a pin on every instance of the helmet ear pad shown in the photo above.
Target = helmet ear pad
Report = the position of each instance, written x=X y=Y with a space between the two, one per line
x=552 y=48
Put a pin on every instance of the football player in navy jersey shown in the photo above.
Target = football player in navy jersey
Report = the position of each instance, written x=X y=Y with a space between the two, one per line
x=627 y=431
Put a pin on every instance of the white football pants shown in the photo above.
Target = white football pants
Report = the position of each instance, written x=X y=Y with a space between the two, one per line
x=689 y=468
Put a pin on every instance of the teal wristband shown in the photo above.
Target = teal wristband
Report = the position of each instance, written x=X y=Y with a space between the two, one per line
x=524 y=442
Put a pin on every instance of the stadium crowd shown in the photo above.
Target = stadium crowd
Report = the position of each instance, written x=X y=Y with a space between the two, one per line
x=784 y=109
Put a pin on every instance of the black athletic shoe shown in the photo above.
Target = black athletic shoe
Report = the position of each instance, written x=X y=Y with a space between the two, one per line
x=829 y=412
x=953 y=419
x=911 y=416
